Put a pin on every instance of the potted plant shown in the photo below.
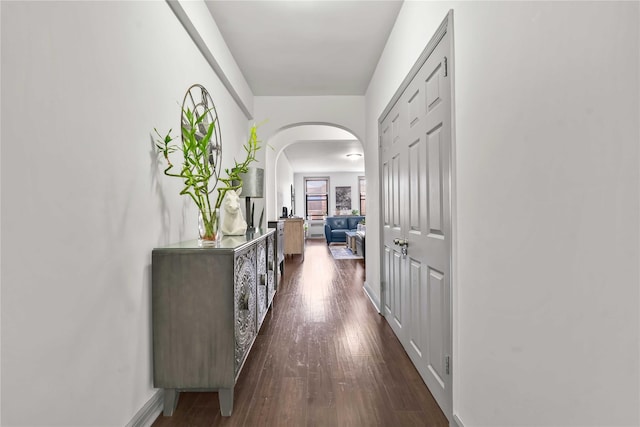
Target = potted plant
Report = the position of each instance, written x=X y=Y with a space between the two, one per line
x=197 y=168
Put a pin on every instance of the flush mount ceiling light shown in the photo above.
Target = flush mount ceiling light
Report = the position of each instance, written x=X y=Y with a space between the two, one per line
x=354 y=155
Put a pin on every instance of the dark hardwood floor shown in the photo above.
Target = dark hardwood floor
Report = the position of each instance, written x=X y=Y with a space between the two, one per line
x=324 y=357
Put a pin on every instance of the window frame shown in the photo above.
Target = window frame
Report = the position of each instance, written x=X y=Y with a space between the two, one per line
x=363 y=195
x=325 y=195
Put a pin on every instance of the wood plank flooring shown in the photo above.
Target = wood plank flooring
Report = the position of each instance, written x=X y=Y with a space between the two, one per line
x=324 y=357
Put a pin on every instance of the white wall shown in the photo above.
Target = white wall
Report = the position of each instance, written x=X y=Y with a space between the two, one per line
x=546 y=283
x=84 y=200
x=0 y=232
x=284 y=180
x=283 y=111
x=336 y=179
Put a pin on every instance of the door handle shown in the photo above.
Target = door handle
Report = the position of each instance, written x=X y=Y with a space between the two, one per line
x=401 y=242
x=404 y=244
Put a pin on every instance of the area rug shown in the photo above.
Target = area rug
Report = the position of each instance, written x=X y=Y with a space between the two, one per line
x=342 y=252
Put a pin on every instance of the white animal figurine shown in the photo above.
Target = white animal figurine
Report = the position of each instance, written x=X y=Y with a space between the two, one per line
x=233 y=224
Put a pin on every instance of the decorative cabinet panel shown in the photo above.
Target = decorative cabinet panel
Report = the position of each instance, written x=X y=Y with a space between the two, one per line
x=271 y=269
x=262 y=282
x=279 y=240
x=244 y=296
x=207 y=308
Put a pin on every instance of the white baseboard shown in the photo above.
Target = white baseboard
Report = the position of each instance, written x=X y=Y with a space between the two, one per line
x=149 y=412
x=370 y=294
x=457 y=421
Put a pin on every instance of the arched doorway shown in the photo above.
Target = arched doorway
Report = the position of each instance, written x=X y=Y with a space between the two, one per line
x=311 y=149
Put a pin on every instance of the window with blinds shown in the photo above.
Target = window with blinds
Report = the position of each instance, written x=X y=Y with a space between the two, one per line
x=362 y=185
x=316 y=197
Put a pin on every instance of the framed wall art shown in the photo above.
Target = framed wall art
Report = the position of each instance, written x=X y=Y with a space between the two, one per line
x=343 y=199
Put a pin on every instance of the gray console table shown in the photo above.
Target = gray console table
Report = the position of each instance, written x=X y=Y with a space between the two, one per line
x=207 y=307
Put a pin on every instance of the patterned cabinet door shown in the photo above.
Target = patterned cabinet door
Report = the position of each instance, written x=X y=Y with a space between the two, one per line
x=244 y=304
x=271 y=269
x=262 y=281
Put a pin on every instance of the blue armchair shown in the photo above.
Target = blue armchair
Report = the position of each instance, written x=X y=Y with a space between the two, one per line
x=336 y=226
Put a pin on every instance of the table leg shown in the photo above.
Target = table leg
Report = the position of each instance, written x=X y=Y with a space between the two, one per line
x=225 y=397
x=171 y=396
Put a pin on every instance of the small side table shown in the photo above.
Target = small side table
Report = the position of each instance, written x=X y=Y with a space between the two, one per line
x=360 y=236
x=351 y=240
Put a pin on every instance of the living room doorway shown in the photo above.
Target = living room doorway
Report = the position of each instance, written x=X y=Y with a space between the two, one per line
x=319 y=172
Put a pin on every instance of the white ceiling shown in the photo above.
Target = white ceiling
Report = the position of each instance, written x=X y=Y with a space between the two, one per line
x=303 y=156
x=308 y=48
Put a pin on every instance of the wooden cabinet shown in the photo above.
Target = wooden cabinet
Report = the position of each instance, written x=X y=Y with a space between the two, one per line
x=294 y=236
x=207 y=307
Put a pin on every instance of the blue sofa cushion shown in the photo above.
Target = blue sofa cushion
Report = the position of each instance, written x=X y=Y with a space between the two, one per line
x=353 y=222
x=339 y=223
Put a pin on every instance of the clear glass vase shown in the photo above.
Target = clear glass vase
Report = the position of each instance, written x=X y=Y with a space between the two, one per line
x=209 y=227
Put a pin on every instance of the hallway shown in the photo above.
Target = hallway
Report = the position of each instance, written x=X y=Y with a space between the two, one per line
x=323 y=357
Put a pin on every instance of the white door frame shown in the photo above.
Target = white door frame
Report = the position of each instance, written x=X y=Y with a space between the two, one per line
x=444 y=30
